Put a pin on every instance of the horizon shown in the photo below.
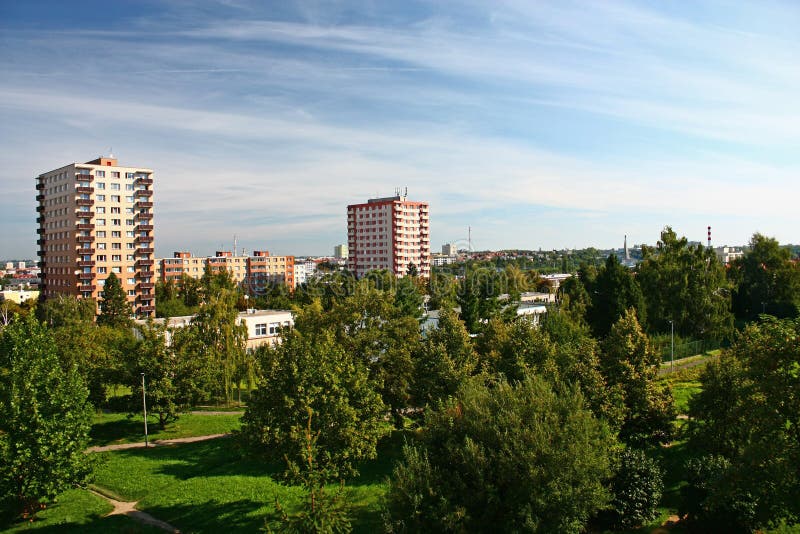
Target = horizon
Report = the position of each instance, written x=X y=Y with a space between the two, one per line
x=555 y=126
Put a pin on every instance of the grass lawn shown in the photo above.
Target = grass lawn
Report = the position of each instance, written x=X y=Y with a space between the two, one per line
x=212 y=487
x=682 y=392
x=80 y=511
x=113 y=428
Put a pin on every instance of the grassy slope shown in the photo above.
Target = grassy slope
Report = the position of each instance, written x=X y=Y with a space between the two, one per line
x=114 y=428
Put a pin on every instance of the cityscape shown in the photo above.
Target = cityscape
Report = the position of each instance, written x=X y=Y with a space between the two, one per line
x=332 y=267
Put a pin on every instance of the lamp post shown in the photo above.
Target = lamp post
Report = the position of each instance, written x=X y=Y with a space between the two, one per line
x=672 y=346
x=144 y=406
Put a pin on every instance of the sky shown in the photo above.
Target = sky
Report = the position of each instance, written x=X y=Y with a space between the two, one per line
x=545 y=125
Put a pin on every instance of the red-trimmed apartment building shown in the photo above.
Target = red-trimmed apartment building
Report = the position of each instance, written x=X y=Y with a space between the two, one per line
x=388 y=233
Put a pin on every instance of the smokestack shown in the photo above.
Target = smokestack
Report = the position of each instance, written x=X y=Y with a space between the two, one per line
x=709 y=237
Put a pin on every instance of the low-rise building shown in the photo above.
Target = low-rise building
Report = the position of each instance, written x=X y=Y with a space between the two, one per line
x=263 y=326
x=255 y=272
x=728 y=254
x=18 y=295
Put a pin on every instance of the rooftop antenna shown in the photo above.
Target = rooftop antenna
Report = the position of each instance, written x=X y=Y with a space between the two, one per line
x=406 y=193
x=111 y=152
x=469 y=238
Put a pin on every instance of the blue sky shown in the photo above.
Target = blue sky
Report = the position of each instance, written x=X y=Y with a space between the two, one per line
x=540 y=124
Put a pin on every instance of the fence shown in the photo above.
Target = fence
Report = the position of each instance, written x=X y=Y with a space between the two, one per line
x=686 y=349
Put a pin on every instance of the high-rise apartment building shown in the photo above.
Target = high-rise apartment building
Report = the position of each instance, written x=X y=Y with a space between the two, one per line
x=340 y=252
x=254 y=272
x=96 y=218
x=388 y=233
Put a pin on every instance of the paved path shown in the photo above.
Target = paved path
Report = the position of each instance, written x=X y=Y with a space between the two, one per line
x=129 y=509
x=201 y=412
x=155 y=443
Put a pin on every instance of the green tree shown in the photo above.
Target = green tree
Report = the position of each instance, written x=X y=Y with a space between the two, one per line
x=687 y=285
x=443 y=361
x=637 y=486
x=748 y=413
x=115 y=310
x=505 y=458
x=63 y=310
x=221 y=340
x=46 y=418
x=630 y=363
x=311 y=372
x=613 y=292
x=767 y=280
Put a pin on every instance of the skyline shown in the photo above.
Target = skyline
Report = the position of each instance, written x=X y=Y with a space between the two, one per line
x=561 y=125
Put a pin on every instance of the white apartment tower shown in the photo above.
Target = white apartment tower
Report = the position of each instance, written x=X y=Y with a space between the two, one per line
x=96 y=218
x=388 y=233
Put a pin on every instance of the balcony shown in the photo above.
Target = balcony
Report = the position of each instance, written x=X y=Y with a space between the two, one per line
x=144 y=274
x=40 y=208
x=144 y=238
x=82 y=264
x=146 y=309
x=84 y=178
x=145 y=228
x=84 y=202
x=144 y=193
x=84 y=214
x=82 y=227
x=84 y=190
x=40 y=230
x=144 y=263
x=39 y=197
x=40 y=253
x=40 y=186
x=144 y=181
x=86 y=287
x=145 y=216
x=85 y=239
x=39 y=219
x=83 y=251
x=146 y=285
x=86 y=276
x=40 y=242
x=143 y=204
x=145 y=250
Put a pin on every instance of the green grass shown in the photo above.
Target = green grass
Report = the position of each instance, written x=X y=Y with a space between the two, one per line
x=79 y=511
x=213 y=487
x=682 y=392
x=115 y=428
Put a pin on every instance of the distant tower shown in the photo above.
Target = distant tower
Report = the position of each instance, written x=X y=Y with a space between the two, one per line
x=709 y=237
x=627 y=252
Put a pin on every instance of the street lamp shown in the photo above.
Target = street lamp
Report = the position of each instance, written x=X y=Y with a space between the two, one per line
x=672 y=346
x=144 y=406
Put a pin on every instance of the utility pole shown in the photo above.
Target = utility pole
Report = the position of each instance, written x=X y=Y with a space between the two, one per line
x=144 y=405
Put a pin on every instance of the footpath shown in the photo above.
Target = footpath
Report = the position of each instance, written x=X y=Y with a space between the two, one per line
x=154 y=443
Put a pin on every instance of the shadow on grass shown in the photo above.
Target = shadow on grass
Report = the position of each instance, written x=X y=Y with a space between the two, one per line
x=92 y=525
x=213 y=516
x=112 y=432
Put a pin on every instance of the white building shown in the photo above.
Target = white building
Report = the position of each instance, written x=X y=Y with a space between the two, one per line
x=18 y=295
x=299 y=273
x=263 y=326
x=728 y=254
x=449 y=250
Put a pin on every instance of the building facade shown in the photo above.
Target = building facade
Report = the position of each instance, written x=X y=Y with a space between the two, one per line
x=388 y=233
x=96 y=218
x=254 y=272
x=340 y=252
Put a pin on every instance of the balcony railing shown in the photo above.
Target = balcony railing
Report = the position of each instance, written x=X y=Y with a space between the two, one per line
x=83 y=251
x=39 y=197
x=87 y=288
x=144 y=238
x=84 y=214
x=84 y=177
x=85 y=239
x=145 y=250
x=40 y=230
x=40 y=253
x=81 y=227
x=144 y=181
x=145 y=227
x=144 y=193
x=84 y=190
x=40 y=186
x=84 y=202
x=40 y=242
x=145 y=216
x=86 y=276
x=146 y=309
x=143 y=204
x=146 y=285
x=39 y=219
x=144 y=274
x=40 y=208
x=85 y=264
x=143 y=263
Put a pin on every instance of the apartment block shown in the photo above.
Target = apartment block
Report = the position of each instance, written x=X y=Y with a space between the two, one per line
x=96 y=218
x=255 y=272
x=388 y=233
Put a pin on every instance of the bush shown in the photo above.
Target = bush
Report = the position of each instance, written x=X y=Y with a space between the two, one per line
x=637 y=486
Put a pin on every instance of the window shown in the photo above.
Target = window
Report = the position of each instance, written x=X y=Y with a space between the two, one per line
x=101 y=233
x=261 y=329
x=116 y=246
x=100 y=174
x=101 y=198
x=129 y=199
x=273 y=328
x=129 y=210
x=101 y=283
x=101 y=257
x=114 y=186
x=129 y=222
x=128 y=187
x=131 y=281
x=116 y=257
x=101 y=270
x=115 y=209
x=130 y=245
x=114 y=174
x=114 y=198
x=100 y=222
x=101 y=246
x=116 y=222
x=129 y=175
x=116 y=233
x=101 y=185
x=130 y=269
x=131 y=292
x=100 y=209
x=129 y=233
